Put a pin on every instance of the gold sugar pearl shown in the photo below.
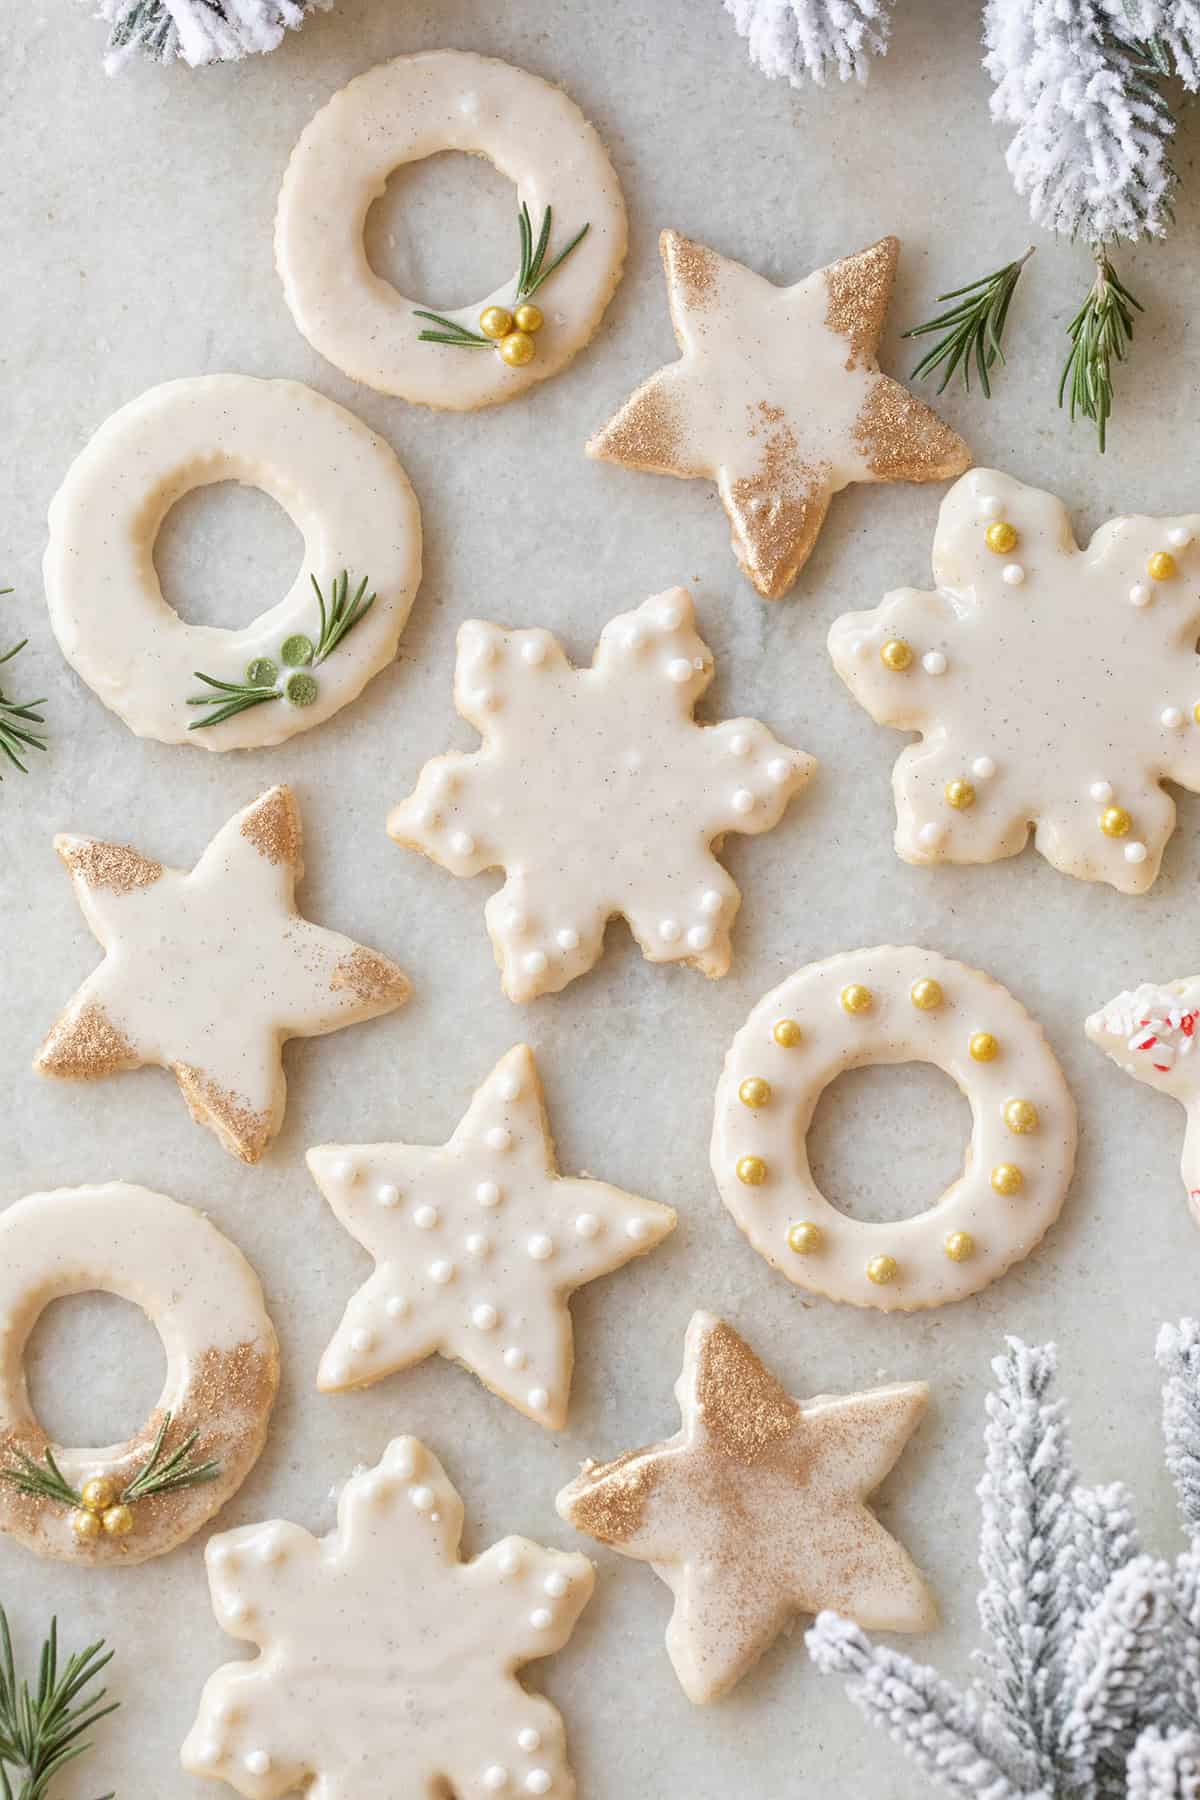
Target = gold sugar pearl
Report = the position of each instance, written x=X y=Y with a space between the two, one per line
x=787 y=1034
x=856 y=998
x=528 y=317
x=118 y=1521
x=752 y=1171
x=1115 y=821
x=804 y=1237
x=98 y=1493
x=1021 y=1115
x=984 y=1047
x=959 y=794
x=882 y=1269
x=754 y=1091
x=896 y=655
x=86 y=1525
x=517 y=349
x=495 y=321
x=959 y=1246
x=1161 y=566
x=1007 y=1178
x=1001 y=537
x=926 y=995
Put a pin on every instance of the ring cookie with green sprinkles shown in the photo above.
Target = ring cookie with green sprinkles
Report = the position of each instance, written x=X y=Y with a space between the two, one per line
x=890 y=1005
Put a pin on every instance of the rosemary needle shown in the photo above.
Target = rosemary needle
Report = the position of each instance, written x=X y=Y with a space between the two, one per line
x=973 y=329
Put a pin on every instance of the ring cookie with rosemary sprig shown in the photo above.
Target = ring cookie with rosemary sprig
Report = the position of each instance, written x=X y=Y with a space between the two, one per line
x=16 y=717
x=136 y=1500
x=208 y=971
x=401 y=112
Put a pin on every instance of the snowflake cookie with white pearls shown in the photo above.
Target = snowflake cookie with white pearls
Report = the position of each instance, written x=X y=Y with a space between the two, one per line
x=1052 y=686
x=890 y=1005
x=478 y=1245
x=598 y=794
x=386 y=1663
x=1152 y=1034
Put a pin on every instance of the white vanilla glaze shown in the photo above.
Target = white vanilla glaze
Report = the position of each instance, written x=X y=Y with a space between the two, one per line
x=1000 y=1227
x=1079 y=683
x=755 y=1510
x=205 y=1301
x=1151 y=1033
x=779 y=399
x=386 y=1663
x=400 y=112
x=340 y=484
x=598 y=794
x=207 y=972
x=478 y=1245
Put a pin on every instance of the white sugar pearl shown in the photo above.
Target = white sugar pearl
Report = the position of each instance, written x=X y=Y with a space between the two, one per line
x=258 y=1762
x=711 y=902
x=1172 y=718
x=991 y=506
x=743 y=800
x=637 y=1229
x=1013 y=574
x=396 y=1307
x=529 y=1739
x=387 y=1194
x=442 y=1272
x=514 y=1358
x=344 y=1170
x=361 y=1340
x=533 y=651
x=538 y=1781
x=426 y=1217
x=541 y=1618
x=555 y=1585
x=668 y=930
x=498 y=1138
x=495 y=1779
x=1139 y=594
x=487 y=1193
x=508 y=1085
x=679 y=669
x=700 y=937
x=587 y=1225
x=509 y=1559
x=540 y=1247
x=778 y=770
x=422 y=1498
x=739 y=744
x=670 y=616
x=1135 y=853
x=567 y=938
x=983 y=768
x=933 y=662
x=485 y=1318
x=477 y=1244
x=931 y=835
x=534 y=962
x=1179 y=537
x=539 y=1399
x=462 y=843
x=1101 y=792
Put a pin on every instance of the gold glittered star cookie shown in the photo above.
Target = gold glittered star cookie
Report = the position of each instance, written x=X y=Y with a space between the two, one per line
x=208 y=971
x=755 y=1511
x=478 y=1245
x=779 y=399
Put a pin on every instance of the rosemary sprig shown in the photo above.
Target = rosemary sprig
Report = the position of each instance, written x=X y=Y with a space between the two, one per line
x=42 y=1730
x=1100 y=333
x=45 y=1480
x=264 y=681
x=16 y=716
x=157 y=1475
x=973 y=329
x=532 y=273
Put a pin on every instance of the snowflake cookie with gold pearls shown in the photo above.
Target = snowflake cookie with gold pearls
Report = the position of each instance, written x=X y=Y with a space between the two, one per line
x=892 y=1005
x=478 y=1245
x=1051 y=685
x=1152 y=1033
x=386 y=1664
x=598 y=794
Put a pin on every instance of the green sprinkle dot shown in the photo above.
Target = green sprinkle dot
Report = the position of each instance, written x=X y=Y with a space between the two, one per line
x=297 y=650
x=301 y=689
x=261 y=672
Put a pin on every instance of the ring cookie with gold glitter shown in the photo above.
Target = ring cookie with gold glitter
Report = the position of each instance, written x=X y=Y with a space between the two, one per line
x=307 y=655
x=1152 y=1034
x=128 y=1502
x=892 y=1005
x=1052 y=686
x=571 y=230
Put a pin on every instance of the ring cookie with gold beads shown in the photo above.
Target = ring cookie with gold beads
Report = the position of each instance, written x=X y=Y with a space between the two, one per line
x=890 y=1005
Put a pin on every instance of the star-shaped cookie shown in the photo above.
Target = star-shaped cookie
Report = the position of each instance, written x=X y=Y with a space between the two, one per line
x=597 y=793
x=755 y=1511
x=207 y=972
x=779 y=399
x=478 y=1245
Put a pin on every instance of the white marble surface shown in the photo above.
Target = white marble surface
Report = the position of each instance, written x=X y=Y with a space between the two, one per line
x=138 y=247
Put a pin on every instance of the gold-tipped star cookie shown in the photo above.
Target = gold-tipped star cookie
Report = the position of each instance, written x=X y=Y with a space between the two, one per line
x=207 y=972
x=755 y=1511
x=779 y=399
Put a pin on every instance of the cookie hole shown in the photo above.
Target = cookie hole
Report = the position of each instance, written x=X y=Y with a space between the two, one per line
x=95 y=1367
x=225 y=553
x=886 y=1140
x=444 y=232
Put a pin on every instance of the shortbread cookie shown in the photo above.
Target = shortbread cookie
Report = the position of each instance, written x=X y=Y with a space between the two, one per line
x=1049 y=684
x=208 y=972
x=131 y=1501
x=598 y=794
x=779 y=399
x=478 y=1245
x=1151 y=1034
x=386 y=1665
x=292 y=666
x=400 y=112
x=891 y=1006
x=755 y=1510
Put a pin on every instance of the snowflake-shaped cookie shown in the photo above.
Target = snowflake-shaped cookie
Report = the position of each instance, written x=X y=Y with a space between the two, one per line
x=1052 y=686
x=387 y=1665
x=598 y=794
x=1153 y=1033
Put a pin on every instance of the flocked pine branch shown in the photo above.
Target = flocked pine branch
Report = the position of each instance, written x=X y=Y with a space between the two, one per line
x=1178 y=1353
x=1116 y=1677
x=1165 y=1765
x=809 y=40
x=1169 y=30
x=199 y=31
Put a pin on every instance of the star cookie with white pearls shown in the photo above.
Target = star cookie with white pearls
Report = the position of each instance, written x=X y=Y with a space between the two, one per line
x=478 y=1245
x=208 y=971
x=386 y=1664
x=755 y=1511
x=1050 y=685
x=598 y=794
x=779 y=399
x=1152 y=1034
